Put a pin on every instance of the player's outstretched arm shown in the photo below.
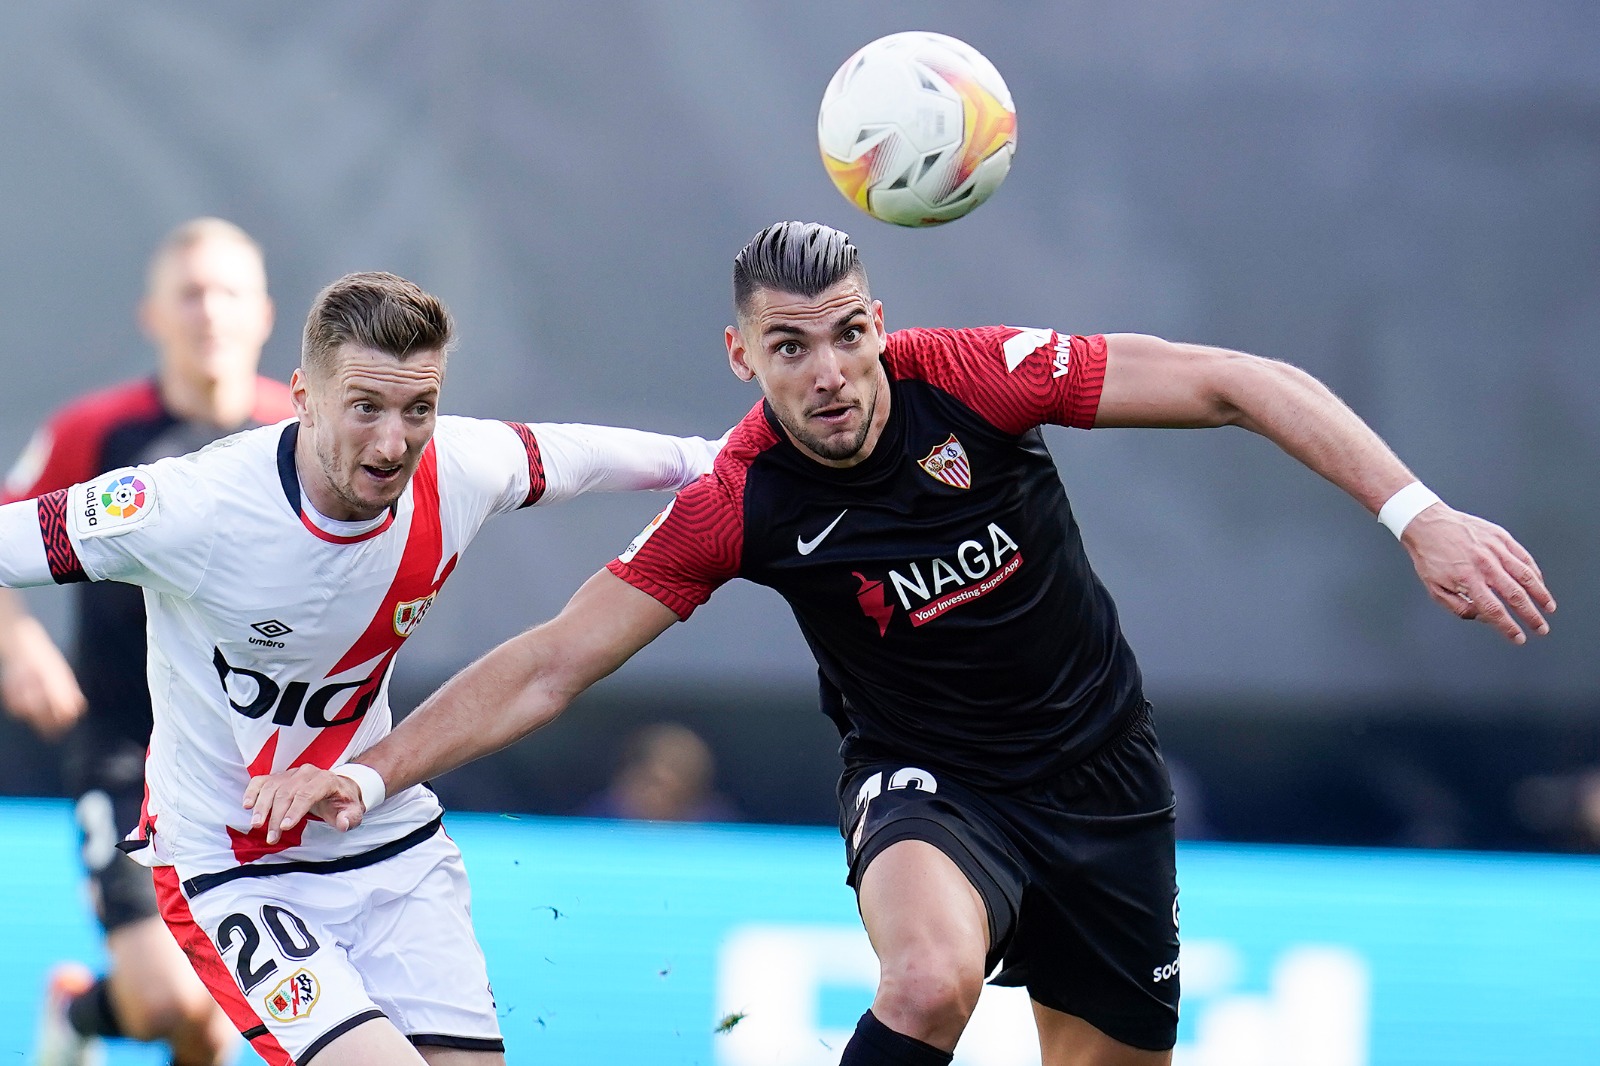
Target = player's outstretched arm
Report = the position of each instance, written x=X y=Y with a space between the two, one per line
x=513 y=690
x=1471 y=567
x=581 y=458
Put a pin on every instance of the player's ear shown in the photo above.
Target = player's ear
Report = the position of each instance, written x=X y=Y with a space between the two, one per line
x=877 y=321
x=737 y=354
x=300 y=394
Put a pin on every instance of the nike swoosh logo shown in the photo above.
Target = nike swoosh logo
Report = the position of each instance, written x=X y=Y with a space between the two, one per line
x=806 y=547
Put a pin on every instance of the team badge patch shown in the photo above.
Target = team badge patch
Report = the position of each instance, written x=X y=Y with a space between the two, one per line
x=644 y=534
x=294 y=996
x=948 y=463
x=115 y=504
x=408 y=615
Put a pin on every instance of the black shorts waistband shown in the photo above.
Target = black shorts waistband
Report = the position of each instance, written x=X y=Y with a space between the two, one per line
x=1134 y=719
x=204 y=882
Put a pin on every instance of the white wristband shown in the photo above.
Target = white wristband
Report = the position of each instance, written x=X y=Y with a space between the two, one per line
x=1405 y=505
x=368 y=780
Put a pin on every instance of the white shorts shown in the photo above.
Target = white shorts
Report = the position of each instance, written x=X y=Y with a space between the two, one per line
x=314 y=954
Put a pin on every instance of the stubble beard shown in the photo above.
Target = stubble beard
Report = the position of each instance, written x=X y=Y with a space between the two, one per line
x=345 y=491
x=833 y=449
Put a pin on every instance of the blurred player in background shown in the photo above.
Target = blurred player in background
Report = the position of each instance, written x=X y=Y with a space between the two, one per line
x=1004 y=800
x=667 y=773
x=207 y=313
x=282 y=570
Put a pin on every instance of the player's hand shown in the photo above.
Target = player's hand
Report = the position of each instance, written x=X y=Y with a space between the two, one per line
x=282 y=800
x=36 y=683
x=1476 y=570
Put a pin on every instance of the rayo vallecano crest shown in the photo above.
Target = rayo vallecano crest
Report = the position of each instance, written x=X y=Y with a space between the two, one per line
x=294 y=996
x=408 y=615
x=948 y=463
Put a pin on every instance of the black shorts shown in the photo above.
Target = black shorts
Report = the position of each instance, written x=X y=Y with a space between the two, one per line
x=108 y=777
x=1078 y=875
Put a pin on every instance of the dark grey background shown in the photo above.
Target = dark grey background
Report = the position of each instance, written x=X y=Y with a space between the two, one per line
x=1404 y=199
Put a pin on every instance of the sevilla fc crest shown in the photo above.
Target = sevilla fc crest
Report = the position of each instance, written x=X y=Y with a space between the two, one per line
x=948 y=463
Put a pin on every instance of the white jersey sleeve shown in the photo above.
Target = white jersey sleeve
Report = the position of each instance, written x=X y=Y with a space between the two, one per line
x=142 y=525
x=580 y=458
x=23 y=562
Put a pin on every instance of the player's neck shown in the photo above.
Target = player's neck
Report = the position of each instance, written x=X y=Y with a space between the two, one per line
x=226 y=404
x=316 y=490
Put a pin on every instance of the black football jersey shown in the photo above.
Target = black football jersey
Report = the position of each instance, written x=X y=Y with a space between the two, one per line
x=941 y=583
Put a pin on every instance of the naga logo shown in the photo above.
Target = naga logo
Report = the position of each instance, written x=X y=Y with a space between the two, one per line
x=972 y=571
x=874 y=602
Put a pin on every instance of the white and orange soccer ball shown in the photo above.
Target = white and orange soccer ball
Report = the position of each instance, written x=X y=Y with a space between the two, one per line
x=917 y=129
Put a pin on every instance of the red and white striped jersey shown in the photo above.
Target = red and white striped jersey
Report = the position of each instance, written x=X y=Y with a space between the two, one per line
x=272 y=629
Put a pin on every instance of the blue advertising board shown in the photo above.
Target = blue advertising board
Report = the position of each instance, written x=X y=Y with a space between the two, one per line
x=615 y=942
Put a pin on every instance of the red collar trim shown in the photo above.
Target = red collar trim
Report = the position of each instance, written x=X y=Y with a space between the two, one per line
x=334 y=538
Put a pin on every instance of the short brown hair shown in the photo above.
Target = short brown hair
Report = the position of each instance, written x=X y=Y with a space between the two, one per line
x=374 y=310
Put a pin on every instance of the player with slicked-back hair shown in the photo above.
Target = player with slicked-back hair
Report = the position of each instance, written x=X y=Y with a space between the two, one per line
x=794 y=257
x=1003 y=802
x=284 y=568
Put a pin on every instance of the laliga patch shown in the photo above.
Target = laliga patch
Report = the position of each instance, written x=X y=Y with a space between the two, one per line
x=294 y=996
x=118 y=502
x=949 y=463
x=408 y=615
x=644 y=534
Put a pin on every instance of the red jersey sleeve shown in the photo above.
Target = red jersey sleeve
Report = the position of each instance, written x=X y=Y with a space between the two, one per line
x=66 y=449
x=696 y=544
x=1016 y=378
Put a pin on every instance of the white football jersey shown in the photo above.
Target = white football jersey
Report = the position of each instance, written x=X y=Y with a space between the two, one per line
x=273 y=630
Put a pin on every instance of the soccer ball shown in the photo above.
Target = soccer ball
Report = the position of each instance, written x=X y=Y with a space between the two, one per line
x=917 y=129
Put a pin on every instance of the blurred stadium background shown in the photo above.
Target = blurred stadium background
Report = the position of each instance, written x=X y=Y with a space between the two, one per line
x=1404 y=199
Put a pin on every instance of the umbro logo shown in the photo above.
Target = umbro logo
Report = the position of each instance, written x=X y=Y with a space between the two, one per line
x=806 y=547
x=270 y=629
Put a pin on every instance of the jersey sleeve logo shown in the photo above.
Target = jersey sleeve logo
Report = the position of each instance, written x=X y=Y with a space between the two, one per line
x=1024 y=343
x=115 y=504
x=1027 y=341
x=949 y=463
x=644 y=534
